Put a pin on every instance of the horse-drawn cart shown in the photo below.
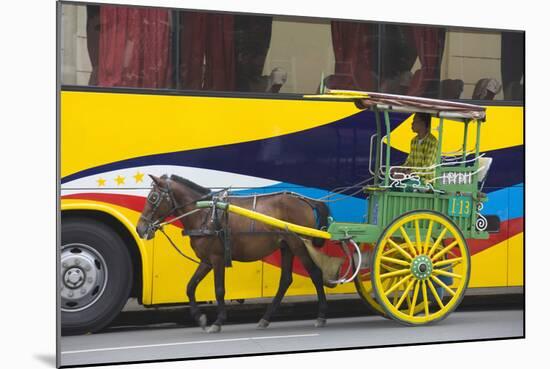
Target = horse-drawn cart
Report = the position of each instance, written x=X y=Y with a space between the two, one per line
x=410 y=259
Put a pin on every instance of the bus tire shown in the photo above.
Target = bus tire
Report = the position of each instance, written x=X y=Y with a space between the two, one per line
x=95 y=275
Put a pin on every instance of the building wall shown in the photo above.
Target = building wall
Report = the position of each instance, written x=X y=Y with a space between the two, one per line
x=471 y=57
x=76 y=66
x=304 y=50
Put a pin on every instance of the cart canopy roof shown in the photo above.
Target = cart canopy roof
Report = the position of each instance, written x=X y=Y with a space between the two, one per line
x=411 y=104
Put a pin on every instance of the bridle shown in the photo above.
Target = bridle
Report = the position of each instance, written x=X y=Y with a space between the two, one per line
x=155 y=198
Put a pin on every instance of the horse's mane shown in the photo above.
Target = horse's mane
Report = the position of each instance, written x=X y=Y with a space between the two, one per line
x=185 y=182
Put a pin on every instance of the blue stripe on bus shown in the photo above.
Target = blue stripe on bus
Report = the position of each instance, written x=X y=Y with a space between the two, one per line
x=506 y=203
x=328 y=156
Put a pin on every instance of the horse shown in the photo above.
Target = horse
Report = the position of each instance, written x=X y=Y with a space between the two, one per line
x=249 y=240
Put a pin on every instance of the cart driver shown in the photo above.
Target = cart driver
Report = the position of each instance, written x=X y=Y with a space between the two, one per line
x=423 y=152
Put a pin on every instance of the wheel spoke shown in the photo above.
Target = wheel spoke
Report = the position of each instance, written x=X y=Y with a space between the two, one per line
x=415 y=295
x=434 y=292
x=389 y=251
x=365 y=277
x=418 y=240
x=404 y=295
x=428 y=236
x=388 y=268
x=398 y=284
x=409 y=302
x=395 y=261
x=399 y=248
x=395 y=274
x=438 y=281
x=408 y=240
x=447 y=274
x=436 y=243
x=387 y=283
x=425 y=296
x=395 y=296
x=442 y=252
x=448 y=261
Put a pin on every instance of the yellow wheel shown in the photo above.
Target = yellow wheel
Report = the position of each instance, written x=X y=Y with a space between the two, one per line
x=363 y=283
x=420 y=268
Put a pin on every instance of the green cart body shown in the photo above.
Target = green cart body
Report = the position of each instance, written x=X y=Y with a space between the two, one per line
x=455 y=191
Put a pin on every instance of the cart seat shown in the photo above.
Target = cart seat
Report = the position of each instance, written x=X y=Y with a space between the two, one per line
x=484 y=164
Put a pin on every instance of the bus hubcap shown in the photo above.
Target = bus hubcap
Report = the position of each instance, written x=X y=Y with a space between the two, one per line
x=83 y=276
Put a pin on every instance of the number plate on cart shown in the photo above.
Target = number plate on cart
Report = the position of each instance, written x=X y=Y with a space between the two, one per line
x=460 y=206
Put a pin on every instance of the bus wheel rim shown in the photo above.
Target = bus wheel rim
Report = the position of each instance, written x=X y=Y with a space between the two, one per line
x=84 y=276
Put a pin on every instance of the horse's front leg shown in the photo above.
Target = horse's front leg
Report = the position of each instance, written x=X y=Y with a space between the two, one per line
x=219 y=282
x=286 y=280
x=201 y=271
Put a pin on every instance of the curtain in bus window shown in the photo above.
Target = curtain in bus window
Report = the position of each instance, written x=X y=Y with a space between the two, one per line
x=207 y=52
x=92 y=39
x=134 y=47
x=429 y=44
x=355 y=52
x=252 y=40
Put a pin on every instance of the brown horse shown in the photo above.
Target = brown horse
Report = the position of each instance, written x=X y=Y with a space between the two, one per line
x=249 y=240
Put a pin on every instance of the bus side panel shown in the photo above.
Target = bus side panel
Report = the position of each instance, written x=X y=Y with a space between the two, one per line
x=172 y=272
x=516 y=244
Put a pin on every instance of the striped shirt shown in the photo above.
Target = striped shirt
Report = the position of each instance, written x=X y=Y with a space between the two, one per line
x=423 y=154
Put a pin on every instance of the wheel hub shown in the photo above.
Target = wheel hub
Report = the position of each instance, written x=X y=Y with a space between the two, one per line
x=74 y=278
x=83 y=276
x=422 y=267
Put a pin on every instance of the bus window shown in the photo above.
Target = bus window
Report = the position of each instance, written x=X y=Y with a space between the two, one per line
x=124 y=46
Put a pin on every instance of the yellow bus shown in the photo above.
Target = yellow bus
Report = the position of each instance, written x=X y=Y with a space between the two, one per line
x=217 y=98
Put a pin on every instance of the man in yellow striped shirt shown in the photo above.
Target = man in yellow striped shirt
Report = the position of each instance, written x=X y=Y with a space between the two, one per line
x=423 y=152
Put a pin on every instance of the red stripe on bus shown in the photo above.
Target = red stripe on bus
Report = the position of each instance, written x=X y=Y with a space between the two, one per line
x=508 y=229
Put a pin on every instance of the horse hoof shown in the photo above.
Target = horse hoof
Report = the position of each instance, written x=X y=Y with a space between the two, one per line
x=202 y=321
x=262 y=324
x=320 y=322
x=214 y=328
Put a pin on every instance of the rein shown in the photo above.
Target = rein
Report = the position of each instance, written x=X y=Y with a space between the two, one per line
x=177 y=249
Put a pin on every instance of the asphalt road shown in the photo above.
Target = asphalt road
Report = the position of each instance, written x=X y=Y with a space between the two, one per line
x=131 y=341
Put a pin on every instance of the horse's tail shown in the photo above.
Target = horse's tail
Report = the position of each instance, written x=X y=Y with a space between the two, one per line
x=321 y=212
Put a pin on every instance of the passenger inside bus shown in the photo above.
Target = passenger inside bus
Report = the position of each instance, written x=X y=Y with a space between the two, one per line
x=486 y=89
x=272 y=83
x=451 y=88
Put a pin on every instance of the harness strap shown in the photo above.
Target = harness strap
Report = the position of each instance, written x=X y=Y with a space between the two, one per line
x=199 y=232
x=253 y=209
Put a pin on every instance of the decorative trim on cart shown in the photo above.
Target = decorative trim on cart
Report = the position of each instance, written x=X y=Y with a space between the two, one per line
x=481 y=222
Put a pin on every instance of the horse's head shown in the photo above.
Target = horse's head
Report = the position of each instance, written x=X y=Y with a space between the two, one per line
x=159 y=205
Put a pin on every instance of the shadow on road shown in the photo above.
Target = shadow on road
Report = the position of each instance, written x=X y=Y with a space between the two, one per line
x=179 y=316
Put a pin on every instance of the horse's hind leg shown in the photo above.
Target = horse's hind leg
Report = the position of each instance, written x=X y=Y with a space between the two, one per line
x=201 y=271
x=219 y=281
x=286 y=280
x=316 y=276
